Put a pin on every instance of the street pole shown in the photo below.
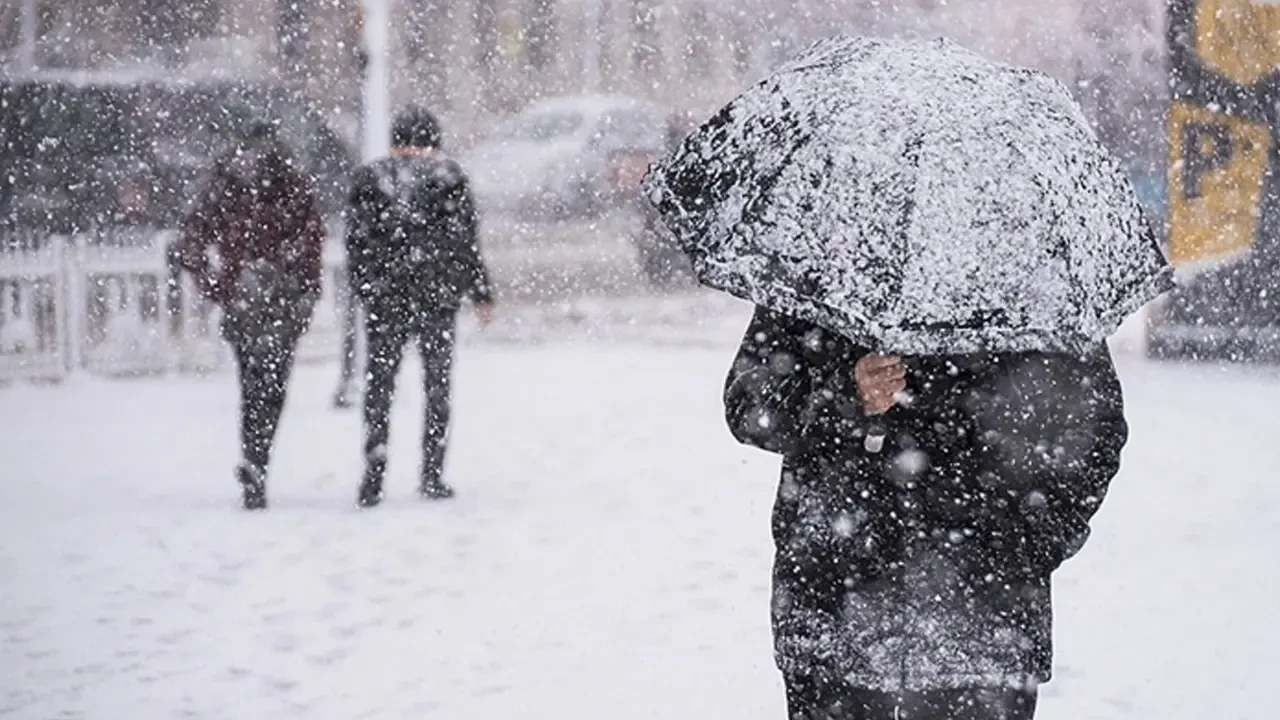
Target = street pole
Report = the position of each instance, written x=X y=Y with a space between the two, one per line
x=27 y=42
x=591 y=52
x=377 y=96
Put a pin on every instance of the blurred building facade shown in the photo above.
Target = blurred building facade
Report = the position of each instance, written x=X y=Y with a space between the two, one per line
x=476 y=60
x=472 y=60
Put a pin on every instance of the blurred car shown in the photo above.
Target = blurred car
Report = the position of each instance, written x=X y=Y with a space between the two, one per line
x=559 y=158
x=83 y=152
x=662 y=262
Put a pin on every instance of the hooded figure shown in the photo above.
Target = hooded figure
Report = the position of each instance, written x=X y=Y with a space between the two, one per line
x=260 y=215
x=413 y=254
x=924 y=504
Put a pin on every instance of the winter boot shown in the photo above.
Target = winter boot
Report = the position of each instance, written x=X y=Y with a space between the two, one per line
x=433 y=488
x=253 y=487
x=342 y=397
x=370 y=495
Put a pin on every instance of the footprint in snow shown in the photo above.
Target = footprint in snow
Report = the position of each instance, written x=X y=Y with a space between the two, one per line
x=285 y=644
x=1124 y=705
x=491 y=690
x=282 y=686
x=175 y=637
x=336 y=655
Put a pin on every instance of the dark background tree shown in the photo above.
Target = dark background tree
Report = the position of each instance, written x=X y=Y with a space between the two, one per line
x=293 y=35
x=540 y=33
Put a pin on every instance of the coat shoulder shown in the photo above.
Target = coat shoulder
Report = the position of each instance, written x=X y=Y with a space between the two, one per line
x=445 y=172
x=364 y=179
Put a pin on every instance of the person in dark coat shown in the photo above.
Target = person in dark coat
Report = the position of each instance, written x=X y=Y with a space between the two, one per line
x=414 y=256
x=260 y=215
x=924 y=504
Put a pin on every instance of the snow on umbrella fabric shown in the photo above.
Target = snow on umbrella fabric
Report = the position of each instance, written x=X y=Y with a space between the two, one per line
x=918 y=199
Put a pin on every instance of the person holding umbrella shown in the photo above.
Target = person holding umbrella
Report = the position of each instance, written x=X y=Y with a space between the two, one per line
x=938 y=248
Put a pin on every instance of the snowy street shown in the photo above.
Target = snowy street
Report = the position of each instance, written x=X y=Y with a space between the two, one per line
x=608 y=555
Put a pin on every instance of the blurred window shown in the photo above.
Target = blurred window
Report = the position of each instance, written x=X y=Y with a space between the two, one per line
x=697 y=43
x=646 y=55
x=75 y=156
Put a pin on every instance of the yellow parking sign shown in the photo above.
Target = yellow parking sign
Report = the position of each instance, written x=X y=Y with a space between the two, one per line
x=1218 y=167
x=1225 y=76
x=1239 y=39
x=1223 y=192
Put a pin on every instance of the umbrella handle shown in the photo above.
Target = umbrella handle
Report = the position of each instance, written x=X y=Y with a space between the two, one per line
x=874 y=441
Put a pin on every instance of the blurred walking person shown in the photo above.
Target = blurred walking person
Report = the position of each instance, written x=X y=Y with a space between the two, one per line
x=413 y=254
x=259 y=215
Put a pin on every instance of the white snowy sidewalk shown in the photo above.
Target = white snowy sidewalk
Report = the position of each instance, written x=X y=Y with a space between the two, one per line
x=608 y=555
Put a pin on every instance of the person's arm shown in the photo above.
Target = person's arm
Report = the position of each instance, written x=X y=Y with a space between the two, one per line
x=467 y=231
x=1072 y=432
x=791 y=389
x=199 y=232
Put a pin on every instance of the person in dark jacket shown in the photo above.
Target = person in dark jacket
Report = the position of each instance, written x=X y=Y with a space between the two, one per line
x=414 y=256
x=260 y=215
x=923 y=506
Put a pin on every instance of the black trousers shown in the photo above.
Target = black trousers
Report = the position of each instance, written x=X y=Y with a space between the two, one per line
x=263 y=365
x=387 y=336
x=809 y=701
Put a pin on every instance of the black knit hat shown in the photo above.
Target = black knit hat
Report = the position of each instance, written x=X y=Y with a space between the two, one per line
x=415 y=127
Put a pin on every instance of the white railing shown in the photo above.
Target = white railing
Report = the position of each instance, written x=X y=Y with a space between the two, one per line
x=35 y=337
x=116 y=306
x=120 y=301
x=110 y=303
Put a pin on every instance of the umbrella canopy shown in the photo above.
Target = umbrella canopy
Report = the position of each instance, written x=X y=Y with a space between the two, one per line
x=916 y=197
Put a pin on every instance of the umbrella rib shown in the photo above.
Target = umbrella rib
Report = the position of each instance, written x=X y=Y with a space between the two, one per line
x=902 y=235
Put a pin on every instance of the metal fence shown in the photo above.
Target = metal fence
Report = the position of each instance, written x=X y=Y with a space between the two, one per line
x=35 y=336
x=122 y=308
x=112 y=303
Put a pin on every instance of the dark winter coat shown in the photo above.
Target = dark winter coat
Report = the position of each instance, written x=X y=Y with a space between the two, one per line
x=412 y=237
x=261 y=215
x=925 y=565
x=259 y=209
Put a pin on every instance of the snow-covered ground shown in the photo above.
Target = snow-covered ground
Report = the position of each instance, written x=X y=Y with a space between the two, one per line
x=608 y=555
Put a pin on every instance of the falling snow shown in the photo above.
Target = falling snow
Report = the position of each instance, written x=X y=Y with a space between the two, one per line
x=610 y=552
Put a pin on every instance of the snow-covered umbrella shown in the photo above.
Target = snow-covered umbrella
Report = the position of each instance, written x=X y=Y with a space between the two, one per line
x=916 y=197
